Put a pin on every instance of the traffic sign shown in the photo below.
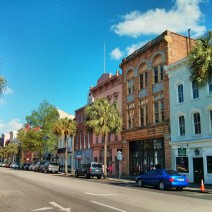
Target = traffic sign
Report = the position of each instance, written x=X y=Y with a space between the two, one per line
x=119 y=155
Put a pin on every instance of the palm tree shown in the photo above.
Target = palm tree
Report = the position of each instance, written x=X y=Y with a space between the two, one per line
x=200 y=60
x=65 y=127
x=103 y=118
x=2 y=84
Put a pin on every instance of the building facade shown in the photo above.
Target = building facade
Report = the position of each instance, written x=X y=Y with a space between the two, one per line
x=59 y=155
x=108 y=86
x=191 y=124
x=83 y=139
x=145 y=103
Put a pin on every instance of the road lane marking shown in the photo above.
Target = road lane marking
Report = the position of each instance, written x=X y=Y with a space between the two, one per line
x=60 y=207
x=108 y=206
x=43 y=209
x=99 y=194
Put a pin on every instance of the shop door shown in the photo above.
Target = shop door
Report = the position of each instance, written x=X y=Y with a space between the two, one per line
x=198 y=169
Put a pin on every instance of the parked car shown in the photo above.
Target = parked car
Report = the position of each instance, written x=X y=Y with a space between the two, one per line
x=31 y=167
x=93 y=169
x=50 y=167
x=38 y=166
x=25 y=166
x=163 y=179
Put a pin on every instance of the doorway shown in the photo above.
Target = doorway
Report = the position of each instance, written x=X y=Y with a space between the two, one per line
x=198 y=169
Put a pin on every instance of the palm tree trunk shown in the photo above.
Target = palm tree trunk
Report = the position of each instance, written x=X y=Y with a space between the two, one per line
x=66 y=154
x=105 y=157
x=72 y=155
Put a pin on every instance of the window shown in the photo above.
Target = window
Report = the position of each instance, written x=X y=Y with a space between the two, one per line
x=143 y=112
x=182 y=164
x=210 y=114
x=197 y=125
x=109 y=137
x=180 y=93
x=84 y=140
x=88 y=135
x=209 y=164
x=130 y=87
x=195 y=90
x=158 y=74
x=143 y=80
x=158 y=108
x=182 y=125
x=97 y=139
x=80 y=140
x=210 y=85
x=130 y=116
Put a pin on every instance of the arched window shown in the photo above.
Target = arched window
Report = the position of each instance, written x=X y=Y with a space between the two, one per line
x=143 y=76
x=130 y=82
x=181 y=121
x=195 y=90
x=158 y=73
x=197 y=123
x=180 y=93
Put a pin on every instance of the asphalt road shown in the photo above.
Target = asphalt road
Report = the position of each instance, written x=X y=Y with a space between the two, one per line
x=22 y=191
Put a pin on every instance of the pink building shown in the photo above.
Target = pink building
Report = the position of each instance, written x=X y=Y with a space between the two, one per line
x=108 y=86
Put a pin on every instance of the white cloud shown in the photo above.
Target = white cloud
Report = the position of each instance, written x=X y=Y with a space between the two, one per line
x=185 y=14
x=13 y=125
x=2 y=102
x=134 y=47
x=116 y=54
x=8 y=91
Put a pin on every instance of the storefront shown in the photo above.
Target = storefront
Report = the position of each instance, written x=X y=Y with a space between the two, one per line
x=145 y=155
x=194 y=159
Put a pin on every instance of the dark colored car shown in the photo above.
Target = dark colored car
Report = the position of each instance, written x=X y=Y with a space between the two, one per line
x=163 y=179
x=38 y=166
x=25 y=166
x=93 y=169
x=50 y=167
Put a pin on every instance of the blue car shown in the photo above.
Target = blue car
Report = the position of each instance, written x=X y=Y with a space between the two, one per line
x=163 y=179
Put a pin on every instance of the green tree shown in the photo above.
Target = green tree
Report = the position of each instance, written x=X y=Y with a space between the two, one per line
x=41 y=122
x=103 y=118
x=200 y=60
x=66 y=127
x=3 y=83
x=12 y=149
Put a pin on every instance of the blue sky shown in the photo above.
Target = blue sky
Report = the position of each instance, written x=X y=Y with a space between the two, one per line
x=54 y=49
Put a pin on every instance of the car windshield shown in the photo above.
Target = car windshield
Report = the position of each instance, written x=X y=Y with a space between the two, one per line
x=96 y=165
x=171 y=172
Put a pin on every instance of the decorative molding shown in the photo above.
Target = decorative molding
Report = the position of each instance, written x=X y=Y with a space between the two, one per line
x=143 y=93
x=157 y=87
x=130 y=98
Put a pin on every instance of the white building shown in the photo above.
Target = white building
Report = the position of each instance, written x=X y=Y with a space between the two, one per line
x=191 y=124
x=60 y=155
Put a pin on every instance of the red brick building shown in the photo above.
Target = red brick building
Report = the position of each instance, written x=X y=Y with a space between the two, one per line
x=108 y=86
x=145 y=102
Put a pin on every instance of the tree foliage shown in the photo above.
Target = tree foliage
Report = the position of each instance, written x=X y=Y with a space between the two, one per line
x=3 y=83
x=65 y=127
x=200 y=60
x=103 y=118
x=38 y=135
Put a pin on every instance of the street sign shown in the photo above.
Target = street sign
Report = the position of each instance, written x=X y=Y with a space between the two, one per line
x=119 y=155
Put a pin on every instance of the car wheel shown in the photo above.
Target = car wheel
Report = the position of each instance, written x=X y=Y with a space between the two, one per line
x=161 y=186
x=179 y=189
x=76 y=174
x=140 y=183
x=98 y=177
